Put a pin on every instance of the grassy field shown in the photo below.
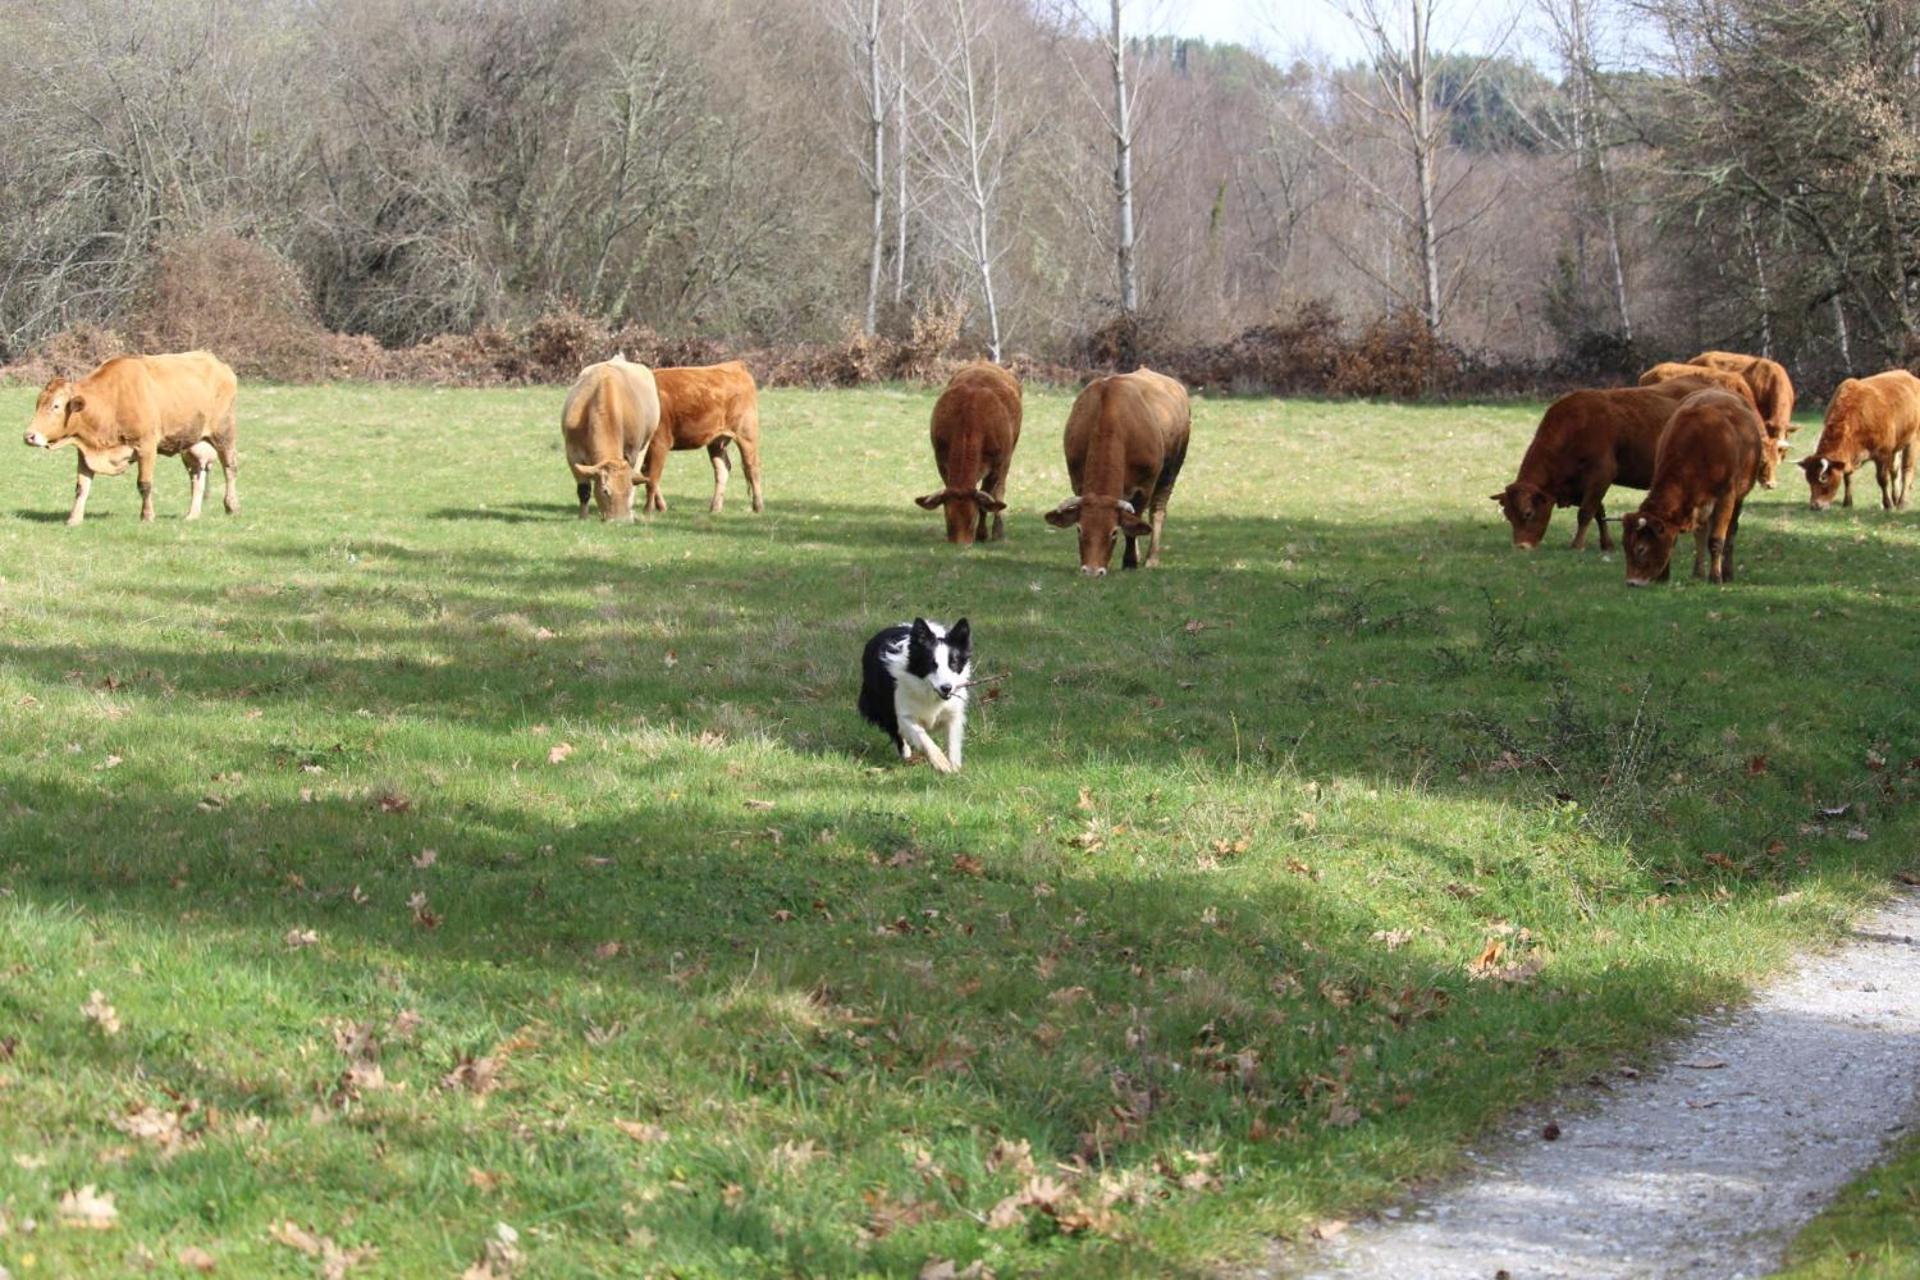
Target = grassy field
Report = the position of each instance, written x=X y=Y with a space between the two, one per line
x=443 y=862
x=1871 y=1233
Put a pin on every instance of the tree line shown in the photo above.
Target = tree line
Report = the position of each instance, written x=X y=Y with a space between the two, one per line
x=1744 y=173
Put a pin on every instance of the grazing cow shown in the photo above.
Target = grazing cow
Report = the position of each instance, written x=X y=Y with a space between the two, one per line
x=704 y=407
x=976 y=424
x=138 y=408
x=1126 y=441
x=1709 y=460
x=1878 y=418
x=1772 y=388
x=1587 y=442
x=610 y=416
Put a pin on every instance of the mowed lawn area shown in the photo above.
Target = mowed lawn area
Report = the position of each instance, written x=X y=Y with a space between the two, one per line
x=441 y=861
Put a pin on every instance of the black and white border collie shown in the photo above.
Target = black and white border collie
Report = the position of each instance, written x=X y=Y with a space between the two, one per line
x=913 y=680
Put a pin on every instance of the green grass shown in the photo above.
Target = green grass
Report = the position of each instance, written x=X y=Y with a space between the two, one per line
x=1872 y=1232
x=1197 y=923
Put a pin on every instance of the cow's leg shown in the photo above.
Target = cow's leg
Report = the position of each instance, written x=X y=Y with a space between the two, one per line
x=147 y=459
x=198 y=461
x=1733 y=533
x=749 y=446
x=229 y=466
x=983 y=528
x=1903 y=475
x=1131 y=560
x=1883 y=476
x=1157 y=517
x=1701 y=533
x=717 y=452
x=997 y=486
x=656 y=468
x=584 y=491
x=82 y=486
x=1846 y=489
x=1720 y=532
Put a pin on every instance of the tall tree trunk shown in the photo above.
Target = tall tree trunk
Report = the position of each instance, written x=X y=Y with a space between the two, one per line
x=1615 y=263
x=900 y=170
x=1420 y=95
x=1123 y=186
x=1841 y=335
x=877 y=166
x=1762 y=295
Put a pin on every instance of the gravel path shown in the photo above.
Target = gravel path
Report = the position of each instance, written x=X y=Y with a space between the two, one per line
x=1706 y=1168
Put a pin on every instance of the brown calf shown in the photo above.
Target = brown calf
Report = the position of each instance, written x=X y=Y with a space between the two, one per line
x=142 y=407
x=976 y=424
x=1878 y=418
x=610 y=415
x=1587 y=442
x=1126 y=441
x=704 y=407
x=1734 y=384
x=1709 y=460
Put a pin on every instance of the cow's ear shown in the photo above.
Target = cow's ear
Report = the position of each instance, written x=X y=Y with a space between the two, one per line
x=1133 y=524
x=75 y=403
x=1066 y=515
x=1498 y=497
x=932 y=500
x=987 y=501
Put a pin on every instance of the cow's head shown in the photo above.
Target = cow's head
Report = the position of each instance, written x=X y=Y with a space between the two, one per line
x=1527 y=508
x=1823 y=479
x=1772 y=451
x=56 y=415
x=963 y=511
x=1648 y=542
x=1101 y=520
x=612 y=488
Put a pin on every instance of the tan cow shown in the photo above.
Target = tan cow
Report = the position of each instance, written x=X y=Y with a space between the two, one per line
x=1126 y=441
x=1772 y=388
x=136 y=408
x=976 y=425
x=610 y=416
x=1878 y=418
x=1733 y=384
x=704 y=407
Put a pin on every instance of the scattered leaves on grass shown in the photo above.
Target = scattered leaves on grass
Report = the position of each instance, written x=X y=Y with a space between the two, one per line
x=947 y=1269
x=87 y=1209
x=790 y=1156
x=477 y=1076
x=606 y=950
x=101 y=1014
x=426 y=858
x=298 y=938
x=334 y=1261
x=558 y=753
x=1015 y=1156
x=392 y=801
x=967 y=865
x=194 y=1258
x=1392 y=939
x=157 y=1128
x=485 y=1179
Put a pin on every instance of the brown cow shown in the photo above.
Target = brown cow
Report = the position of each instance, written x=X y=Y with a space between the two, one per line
x=1733 y=383
x=1587 y=442
x=1709 y=460
x=610 y=416
x=138 y=408
x=1878 y=418
x=704 y=407
x=976 y=424
x=1126 y=441
x=1772 y=388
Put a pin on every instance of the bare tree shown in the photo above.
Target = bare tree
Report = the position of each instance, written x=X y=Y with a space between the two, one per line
x=1572 y=26
x=1399 y=39
x=860 y=24
x=969 y=141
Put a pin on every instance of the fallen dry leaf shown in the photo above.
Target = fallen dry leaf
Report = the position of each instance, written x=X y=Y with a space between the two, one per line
x=1392 y=939
x=478 y=1076
x=1705 y=1064
x=1329 y=1229
x=422 y=914
x=500 y=1256
x=426 y=858
x=87 y=1209
x=194 y=1258
x=642 y=1132
x=101 y=1014
x=298 y=938
x=559 y=752
x=335 y=1262
x=759 y=805
x=968 y=865
x=607 y=950
x=485 y=1179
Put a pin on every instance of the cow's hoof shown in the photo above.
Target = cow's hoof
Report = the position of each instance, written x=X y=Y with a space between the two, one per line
x=73 y=522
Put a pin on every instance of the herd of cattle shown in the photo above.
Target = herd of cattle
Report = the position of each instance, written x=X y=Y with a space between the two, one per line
x=1696 y=436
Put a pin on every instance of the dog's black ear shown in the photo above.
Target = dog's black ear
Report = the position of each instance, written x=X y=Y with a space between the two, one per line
x=959 y=636
x=920 y=632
